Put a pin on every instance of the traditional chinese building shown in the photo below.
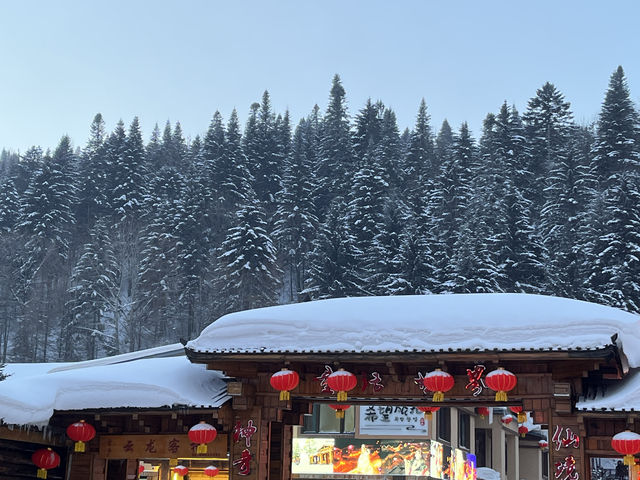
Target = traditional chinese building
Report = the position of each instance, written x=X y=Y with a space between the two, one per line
x=531 y=387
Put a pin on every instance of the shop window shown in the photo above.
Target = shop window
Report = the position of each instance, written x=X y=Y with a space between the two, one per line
x=323 y=420
x=483 y=447
x=464 y=430
x=444 y=424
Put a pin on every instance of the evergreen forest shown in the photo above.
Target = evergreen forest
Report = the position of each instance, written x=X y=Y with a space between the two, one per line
x=121 y=244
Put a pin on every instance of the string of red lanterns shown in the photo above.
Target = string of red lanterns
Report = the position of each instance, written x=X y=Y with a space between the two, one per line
x=45 y=459
x=501 y=381
x=438 y=382
x=80 y=432
x=340 y=409
x=202 y=433
x=285 y=380
x=341 y=382
x=626 y=443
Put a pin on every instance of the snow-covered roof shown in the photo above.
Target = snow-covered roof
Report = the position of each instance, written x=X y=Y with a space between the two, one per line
x=424 y=323
x=621 y=397
x=34 y=391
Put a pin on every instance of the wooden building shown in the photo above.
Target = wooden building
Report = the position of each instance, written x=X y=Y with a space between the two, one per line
x=574 y=363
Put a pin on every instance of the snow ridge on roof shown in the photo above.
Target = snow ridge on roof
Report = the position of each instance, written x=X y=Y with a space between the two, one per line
x=144 y=383
x=424 y=323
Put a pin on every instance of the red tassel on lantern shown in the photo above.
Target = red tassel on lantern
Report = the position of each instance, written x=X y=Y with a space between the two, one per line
x=438 y=382
x=626 y=443
x=428 y=411
x=342 y=381
x=202 y=433
x=501 y=381
x=340 y=410
x=80 y=432
x=45 y=459
x=522 y=416
x=483 y=412
x=285 y=380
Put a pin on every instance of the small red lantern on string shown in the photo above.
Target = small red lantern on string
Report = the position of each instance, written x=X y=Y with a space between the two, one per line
x=285 y=380
x=483 y=412
x=626 y=443
x=342 y=381
x=501 y=381
x=507 y=419
x=340 y=409
x=543 y=444
x=438 y=382
x=180 y=470
x=211 y=471
x=523 y=430
x=522 y=416
x=428 y=411
x=45 y=459
x=202 y=433
x=80 y=432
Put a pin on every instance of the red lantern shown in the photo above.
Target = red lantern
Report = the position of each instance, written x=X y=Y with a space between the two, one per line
x=80 y=432
x=522 y=416
x=543 y=444
x=284 y=380
x=483 y=412
x=428 y=411
x=523 y=430
x=438 y=382
x=340 y=410
x=342 y=381
x=501 y=381
x=45 y=459
x=211 y=471
x=202 y=433
x=140 y=469
x=507 y=419
x=627 y=443
x=180 y=470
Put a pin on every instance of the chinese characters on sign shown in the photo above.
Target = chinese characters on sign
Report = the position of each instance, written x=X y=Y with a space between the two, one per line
x=161 y=446
x=566 y=469
x=244 y=462
x=375 y=381
x=570 y=439
x=476 y=382
x=323 y=380
x=419 y=381
x=391 y=420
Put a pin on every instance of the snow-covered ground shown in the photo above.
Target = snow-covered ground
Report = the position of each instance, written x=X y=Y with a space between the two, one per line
x=425 y=323
x=32 y=393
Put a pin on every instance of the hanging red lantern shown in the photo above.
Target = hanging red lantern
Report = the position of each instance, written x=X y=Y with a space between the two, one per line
x=428 y=411
x=340 y=410
x=45 y=459
x=501 y=381
x=80 y=432
x=211 y=471
x=507 y=419
x=522 y=415
x=342 y=381
x=523 y=430
x=483 y=412
x=626 y=443
x=543 y=444
x=180 y=470
x=202 y=433
x=438 y=382
x=285 y=380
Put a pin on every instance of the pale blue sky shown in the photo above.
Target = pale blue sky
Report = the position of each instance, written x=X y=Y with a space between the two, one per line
x=63 y=60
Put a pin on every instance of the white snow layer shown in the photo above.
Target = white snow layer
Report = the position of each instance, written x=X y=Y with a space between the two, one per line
x=485 y=473
x=424 y=323
x=624 y=396
x=29 y=396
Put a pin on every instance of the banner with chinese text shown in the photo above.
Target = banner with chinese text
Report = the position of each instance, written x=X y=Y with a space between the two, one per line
x=132 y=447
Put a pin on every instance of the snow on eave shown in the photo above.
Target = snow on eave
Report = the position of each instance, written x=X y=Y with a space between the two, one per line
x=425 y=323
x=171 y=382
x=622 y=397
